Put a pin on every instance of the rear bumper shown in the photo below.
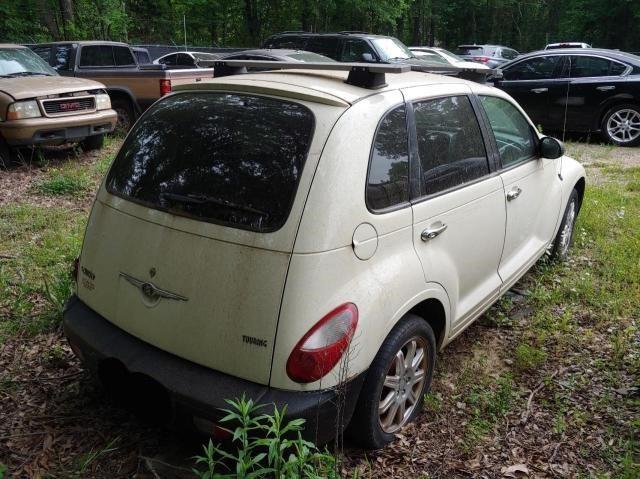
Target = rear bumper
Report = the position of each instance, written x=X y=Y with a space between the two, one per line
x=196 y=392
x=43 y=130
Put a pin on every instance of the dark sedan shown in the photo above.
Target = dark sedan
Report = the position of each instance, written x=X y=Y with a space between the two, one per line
x=578 y=90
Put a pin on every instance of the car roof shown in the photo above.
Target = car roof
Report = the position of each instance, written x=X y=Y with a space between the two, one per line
x=82 y=43
x=324 y=85
x=334 y=34
x=612 y=54
x=11 y=45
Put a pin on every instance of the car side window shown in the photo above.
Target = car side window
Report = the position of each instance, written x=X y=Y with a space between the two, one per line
x=185 y=60
x=450 y=143
x=353 y=50
x=513 y=133
x=617 y=68
x=168 y=60
x=388 y=177
x=326 y=46
x=586 y=66
x=97 y=56
x=123 y=56
x=540 y=68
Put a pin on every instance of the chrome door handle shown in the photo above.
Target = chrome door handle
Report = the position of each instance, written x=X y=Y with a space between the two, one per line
x=606 y=88
x=431 y=233
x=539 y=90
x=513 y=194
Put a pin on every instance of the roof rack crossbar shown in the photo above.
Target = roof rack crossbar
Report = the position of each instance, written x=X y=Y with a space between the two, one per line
x=365 y=75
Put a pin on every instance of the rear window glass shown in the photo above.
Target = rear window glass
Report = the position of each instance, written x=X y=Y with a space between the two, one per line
x=469 y=51
x=96 y=56
x=224 y=158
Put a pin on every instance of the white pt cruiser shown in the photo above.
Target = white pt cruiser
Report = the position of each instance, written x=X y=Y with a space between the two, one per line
x=312 y=239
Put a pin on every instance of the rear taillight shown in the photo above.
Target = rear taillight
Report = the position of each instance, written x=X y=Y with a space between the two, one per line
x=481 y=59
x=322 y=347
x=76 y=269
x=165 y=87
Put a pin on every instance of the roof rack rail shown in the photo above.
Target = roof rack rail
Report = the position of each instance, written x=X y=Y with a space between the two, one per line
x=365 y=75
x=348 y=32
x=290 y=31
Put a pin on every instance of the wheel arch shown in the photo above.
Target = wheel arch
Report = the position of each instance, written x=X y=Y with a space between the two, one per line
x=124 y=94
x=432 y=311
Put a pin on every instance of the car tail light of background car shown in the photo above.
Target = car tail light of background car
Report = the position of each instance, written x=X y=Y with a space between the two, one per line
x=324 y=344
x=165 y=87
x=481 y=59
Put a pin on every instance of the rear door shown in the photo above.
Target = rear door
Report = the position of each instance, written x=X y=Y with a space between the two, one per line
x=529 y=82
x=532 y=192
x=459 y=210
x=189 y=243
x=593 y=80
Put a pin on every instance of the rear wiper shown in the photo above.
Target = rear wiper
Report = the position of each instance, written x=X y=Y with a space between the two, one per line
x=204 y=199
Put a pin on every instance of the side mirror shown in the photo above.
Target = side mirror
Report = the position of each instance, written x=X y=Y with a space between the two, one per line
x=367 y=58
x=551 y=148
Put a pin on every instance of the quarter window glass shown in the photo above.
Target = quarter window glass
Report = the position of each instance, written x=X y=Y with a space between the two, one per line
x=511 y=130
x=123 y=56
x=450 y=143
x=96 y=56
x=388 y=179
x=539 y=68
x=354 y=49
x=168 y=60
x=617 y=69
x=226 y=158
x=583 y=66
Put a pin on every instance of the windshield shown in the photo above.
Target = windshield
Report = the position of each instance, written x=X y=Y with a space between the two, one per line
x=392 y=49
x=22 y=62
x=225 y=158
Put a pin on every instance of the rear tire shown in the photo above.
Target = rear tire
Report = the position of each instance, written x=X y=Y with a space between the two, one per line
x=564 y=237
x=621 y=125
x=126 y=115
x=393 y=395
x=94 y=142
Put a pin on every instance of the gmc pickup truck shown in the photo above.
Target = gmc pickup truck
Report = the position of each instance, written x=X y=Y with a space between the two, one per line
x=39 y=107
x=131 y=86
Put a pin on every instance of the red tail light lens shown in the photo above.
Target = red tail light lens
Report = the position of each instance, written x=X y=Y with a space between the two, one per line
x=165 y=87
x=322 y=347
x=481 y=59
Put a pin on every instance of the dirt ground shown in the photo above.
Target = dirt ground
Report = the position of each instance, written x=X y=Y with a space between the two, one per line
x=505 y=402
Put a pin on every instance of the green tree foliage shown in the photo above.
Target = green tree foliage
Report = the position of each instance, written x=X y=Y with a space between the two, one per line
x=522 y=24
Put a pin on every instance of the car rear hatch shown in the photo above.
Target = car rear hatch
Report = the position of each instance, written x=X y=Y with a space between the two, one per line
x=188 y=244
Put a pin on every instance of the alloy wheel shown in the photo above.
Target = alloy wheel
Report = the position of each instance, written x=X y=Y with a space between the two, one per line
x=624 y=125
x=567 y=230
x=403 y=385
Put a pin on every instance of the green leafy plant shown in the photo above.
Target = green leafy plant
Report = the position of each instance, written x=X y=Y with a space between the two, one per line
x=266 y=446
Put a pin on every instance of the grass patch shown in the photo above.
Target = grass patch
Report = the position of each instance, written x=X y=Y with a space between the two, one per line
x=529 y=358
x=62 y=184
x=40 y=245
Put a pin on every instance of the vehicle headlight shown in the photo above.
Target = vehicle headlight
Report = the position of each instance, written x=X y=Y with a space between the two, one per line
x=103 y=102
x=23 y=109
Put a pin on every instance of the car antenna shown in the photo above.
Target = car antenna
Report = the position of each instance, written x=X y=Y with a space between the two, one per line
x=566 y=102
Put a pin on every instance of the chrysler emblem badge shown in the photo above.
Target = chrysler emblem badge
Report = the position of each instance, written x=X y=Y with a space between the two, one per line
x=151 y=291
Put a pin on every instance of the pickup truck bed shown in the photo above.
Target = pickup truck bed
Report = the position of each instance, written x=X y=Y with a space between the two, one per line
x=132 y=87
